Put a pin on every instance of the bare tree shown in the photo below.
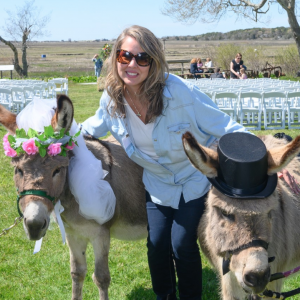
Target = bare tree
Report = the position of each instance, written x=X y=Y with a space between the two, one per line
x=190 y=11
x=22 y=26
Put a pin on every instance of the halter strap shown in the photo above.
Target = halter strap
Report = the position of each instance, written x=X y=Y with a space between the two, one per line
x=32 y=192
x=229 y=253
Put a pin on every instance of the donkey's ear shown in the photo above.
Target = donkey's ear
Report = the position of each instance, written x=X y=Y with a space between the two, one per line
x=8 y=120
x=202 y=158
x=63 y=117
x=280 y=157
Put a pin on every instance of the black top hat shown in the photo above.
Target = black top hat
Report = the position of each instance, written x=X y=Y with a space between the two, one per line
x=243 y=167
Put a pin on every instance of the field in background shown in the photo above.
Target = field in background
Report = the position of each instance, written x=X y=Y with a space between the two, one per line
x=75 y=58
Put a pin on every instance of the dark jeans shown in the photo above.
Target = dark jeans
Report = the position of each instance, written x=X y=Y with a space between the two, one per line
x=172 y=238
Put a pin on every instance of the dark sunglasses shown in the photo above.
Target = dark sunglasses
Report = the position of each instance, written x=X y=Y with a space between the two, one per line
x=125 y=57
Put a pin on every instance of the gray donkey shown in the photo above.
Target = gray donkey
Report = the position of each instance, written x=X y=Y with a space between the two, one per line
x=49 y=174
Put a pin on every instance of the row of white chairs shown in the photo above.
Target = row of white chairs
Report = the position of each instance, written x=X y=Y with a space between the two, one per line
x=278 y=108
x=16 y=94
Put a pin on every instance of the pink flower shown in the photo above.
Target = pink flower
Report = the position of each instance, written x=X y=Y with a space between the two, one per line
x=10 y=152
x=54 y=149
x=71 y=147
x=5 y=138
x=29 y=147
x=6 y=145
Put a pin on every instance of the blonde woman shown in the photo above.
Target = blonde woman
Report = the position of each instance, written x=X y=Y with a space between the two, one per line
x=147 y=110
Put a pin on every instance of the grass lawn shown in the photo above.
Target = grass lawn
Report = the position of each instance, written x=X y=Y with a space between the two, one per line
x=24 y=276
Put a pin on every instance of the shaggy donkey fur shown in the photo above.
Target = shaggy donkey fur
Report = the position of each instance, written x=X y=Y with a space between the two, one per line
x=230 y=223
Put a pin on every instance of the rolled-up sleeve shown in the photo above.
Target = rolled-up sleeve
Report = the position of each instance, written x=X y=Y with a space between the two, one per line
x=97 y=125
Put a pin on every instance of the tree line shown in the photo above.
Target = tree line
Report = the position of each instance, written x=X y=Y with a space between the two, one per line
x=278 y=33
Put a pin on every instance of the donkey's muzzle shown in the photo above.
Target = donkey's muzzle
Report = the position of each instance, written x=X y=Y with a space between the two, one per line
x=257 y=281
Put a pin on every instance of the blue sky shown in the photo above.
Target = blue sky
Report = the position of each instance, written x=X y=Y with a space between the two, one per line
x=91 y=19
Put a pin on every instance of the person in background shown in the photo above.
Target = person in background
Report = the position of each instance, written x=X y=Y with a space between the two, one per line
x=98 y=65
x=217 y=74
x=194 y=68
x=208 y=64
x=235 y=66
x=243 y=74
x=199 y=65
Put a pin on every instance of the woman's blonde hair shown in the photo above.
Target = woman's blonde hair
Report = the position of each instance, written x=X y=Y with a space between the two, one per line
x=151 y=89
x=194 y=60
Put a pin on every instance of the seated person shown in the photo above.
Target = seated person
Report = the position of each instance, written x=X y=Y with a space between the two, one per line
x=208 y=64
x=193 y=68
x=243 y=74
x=199 y=65
x=218 y=74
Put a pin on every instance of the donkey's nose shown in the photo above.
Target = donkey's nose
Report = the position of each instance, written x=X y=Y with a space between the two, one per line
x=35 y=227
x=257 y=281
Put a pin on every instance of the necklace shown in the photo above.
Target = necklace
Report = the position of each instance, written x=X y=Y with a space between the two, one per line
x=137 y=111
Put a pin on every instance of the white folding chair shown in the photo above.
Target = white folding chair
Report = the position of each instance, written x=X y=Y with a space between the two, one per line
x=227 y=102
x=274 y=109
x=61 y=85
x=18 y=99
x=6 y=98
x=293 y=110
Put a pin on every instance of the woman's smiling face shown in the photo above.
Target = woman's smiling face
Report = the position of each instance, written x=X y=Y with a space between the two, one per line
x=132 y=74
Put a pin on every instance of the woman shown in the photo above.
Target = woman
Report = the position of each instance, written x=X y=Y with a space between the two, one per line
x=147 y=110
x=194 y=68
x=235 y=66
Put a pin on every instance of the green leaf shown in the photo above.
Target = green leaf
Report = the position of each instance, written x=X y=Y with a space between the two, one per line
x=11 y=139
x=21 y=133
x=70 y=142
x=63 y=152
x=42 y=151
x=32 y=133
x=49 y=132
x=37 y=143
x=76 y=143
x=77 y=134
x=41 y=137
x=61 y=133
x=18 y=150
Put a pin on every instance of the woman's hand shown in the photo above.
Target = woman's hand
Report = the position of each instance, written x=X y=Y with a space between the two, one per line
x=290 y=180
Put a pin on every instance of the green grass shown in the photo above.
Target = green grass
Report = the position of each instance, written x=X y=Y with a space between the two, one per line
x=24 y=276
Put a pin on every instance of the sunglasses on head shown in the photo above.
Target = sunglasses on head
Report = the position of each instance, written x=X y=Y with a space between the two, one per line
x=125 y=57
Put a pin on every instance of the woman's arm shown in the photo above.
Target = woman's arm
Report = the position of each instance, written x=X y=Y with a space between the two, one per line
x=97 y=124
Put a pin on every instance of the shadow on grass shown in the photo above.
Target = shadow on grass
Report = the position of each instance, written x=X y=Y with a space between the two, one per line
x=141 y=293
x=210 y=288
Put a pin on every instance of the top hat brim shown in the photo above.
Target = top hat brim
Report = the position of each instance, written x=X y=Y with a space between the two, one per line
x=231 y=192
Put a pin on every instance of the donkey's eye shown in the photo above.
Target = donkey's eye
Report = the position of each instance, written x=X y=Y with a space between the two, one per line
x=18 y=171
x=56 y=172
x=227 y=215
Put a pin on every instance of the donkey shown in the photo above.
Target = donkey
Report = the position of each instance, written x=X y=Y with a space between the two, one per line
x=49 y=174
x=229 y=224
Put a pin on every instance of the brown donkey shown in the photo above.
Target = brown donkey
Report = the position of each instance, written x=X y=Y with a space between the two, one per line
x=49 y=174
x=229 y=224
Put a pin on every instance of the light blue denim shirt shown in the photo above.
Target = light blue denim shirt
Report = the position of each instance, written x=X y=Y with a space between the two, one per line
x=186 y=108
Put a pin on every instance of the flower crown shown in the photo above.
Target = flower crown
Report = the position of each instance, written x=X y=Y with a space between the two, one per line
x=53 y=143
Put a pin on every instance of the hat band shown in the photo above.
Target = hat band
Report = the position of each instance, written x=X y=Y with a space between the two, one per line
x=242 y=192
